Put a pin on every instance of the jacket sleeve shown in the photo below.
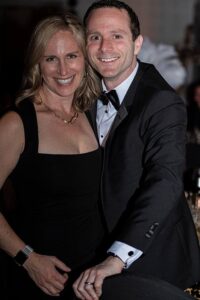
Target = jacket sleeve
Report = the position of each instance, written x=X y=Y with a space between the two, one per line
x=163 y=131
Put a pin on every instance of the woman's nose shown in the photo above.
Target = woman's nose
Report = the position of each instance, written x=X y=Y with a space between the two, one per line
x=62 y=68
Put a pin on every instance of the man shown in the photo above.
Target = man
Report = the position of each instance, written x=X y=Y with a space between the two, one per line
x=148 y=220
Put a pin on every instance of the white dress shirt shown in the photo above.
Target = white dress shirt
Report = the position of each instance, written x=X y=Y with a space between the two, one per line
x=105 y=117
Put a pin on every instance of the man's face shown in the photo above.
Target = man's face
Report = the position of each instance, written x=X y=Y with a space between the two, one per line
x=110 y=46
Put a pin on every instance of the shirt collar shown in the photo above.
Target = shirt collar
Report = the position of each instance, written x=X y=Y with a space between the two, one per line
x=123 y=87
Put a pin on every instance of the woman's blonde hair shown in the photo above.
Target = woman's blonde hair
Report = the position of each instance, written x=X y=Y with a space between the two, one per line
x=88 y=90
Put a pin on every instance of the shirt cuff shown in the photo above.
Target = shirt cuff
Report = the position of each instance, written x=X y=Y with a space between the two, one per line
x=125 y=252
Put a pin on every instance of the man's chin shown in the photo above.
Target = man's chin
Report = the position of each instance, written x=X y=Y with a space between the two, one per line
x=107 y=73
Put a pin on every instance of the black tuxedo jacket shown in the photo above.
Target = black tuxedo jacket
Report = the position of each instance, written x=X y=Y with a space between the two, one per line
x=126 y=287
x=142 y=190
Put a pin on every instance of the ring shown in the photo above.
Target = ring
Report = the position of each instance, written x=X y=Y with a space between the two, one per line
x=88 y=283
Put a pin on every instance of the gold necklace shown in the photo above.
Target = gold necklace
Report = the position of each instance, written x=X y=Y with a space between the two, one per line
x=71 y=121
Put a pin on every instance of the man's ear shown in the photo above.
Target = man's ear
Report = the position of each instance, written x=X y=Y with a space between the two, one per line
x=138 y=44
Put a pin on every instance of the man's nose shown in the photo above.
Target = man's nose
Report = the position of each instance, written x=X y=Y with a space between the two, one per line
x=106 y=44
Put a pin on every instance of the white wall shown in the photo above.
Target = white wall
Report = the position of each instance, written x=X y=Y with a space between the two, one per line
x=164 y=20
x=161 y=20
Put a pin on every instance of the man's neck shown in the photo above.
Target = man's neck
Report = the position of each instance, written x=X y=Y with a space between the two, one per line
x=108 y=84
x=112 y=83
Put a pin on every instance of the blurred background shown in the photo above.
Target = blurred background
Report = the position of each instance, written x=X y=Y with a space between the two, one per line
x=171 y=42
x=170 y=28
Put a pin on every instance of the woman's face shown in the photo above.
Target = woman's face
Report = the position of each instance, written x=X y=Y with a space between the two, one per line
x=197 y=96
x=62 y=65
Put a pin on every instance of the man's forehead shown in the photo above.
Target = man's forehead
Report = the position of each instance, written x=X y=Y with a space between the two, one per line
x=102 y=12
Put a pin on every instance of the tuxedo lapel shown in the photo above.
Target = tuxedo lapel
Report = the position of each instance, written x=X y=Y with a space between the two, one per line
x=128 y=101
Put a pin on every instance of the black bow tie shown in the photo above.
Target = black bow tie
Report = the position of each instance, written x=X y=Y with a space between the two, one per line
x=112 y=97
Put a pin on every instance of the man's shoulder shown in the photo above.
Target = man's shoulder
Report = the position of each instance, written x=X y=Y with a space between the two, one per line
x=153 y=91
x=151 y=78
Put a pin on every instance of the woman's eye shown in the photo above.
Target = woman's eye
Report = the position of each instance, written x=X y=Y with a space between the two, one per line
x=71 y=56
x=94 y=38
x=50 y=58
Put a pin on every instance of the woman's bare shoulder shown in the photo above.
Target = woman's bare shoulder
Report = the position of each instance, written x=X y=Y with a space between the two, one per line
x=11 y=129
x=11 y=121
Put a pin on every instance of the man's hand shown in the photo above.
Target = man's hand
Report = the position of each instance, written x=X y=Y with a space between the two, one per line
x=89 y=284
x=48 y=272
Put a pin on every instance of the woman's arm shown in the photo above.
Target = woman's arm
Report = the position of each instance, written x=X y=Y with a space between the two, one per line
x=41 y=268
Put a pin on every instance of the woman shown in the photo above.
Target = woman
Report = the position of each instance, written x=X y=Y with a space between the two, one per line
x=51 y=155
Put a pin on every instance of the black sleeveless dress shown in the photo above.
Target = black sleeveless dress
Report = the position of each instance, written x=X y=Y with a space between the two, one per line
x=57 y=209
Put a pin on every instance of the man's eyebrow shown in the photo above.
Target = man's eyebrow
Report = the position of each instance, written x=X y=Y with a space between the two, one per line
x=112 y=31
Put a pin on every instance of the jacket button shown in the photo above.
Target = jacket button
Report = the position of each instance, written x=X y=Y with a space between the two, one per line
x=148 y=235
x=130 y=253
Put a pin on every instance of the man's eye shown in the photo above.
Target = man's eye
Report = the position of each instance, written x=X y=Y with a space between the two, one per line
x=117 y=36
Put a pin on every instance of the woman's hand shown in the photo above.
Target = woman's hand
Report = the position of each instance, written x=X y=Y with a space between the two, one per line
x=89 y=284
x=48 y=272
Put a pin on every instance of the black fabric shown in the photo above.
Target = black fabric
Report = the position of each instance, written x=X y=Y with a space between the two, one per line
x=27 y=113
x=130 y=287
x=57 y=207
x=142 y=186
x=110 y=96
